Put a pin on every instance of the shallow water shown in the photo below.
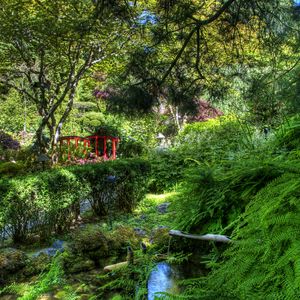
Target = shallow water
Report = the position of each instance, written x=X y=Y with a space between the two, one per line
x=161 y=279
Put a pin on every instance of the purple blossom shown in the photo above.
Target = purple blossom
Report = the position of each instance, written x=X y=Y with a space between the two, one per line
x=205 y=112
x=7 y=142
x=101 y=94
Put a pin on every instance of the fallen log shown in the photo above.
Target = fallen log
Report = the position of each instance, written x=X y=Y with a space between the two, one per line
x=205 y=237
x=115 y=266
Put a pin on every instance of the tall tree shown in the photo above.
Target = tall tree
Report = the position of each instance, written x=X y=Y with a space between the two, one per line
x=46 y=47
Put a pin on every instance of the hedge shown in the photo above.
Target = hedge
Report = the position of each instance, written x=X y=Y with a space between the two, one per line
x=47 y=202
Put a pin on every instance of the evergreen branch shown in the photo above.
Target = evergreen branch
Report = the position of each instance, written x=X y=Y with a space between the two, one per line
x=198 y=25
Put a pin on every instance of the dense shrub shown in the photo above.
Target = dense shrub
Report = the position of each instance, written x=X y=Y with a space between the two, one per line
x=129 y=187
x=49 y=201
x=130 y=147
x=167 y=169
x=40 y=203
x=217 y=140
x=11 y=168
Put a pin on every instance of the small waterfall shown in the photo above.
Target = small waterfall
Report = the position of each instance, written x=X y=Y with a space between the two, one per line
x=161 y=280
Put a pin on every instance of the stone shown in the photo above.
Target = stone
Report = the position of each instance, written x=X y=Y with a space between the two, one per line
x=85 y=205
x=89 y=239
x=81 y=265
x=47 y=296
x=160 y=237
x=61 y=295
x=162 y=208
x=37 y=264
x=122 y=237
x=162 y=227
x=57 y=246
x=11 y=261
x=139 y=231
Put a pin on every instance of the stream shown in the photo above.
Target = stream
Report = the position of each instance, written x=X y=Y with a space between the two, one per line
x=161 y=279
x=165 y=277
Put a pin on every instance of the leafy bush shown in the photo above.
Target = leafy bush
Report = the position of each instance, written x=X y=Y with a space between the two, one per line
x=40 y=203
x=217 y=140
x=130 y=147
x=49 y=201
x=167 y=169
x=11 y=168
x=123 y=194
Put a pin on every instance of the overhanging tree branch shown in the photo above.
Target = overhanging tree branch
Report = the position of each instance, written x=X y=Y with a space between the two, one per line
x=198 y=24
x=174 y=62
x=215 y=16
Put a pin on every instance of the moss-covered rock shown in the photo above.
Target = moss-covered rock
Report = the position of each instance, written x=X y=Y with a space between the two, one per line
x=61 y=295
x=47 y=296
x=160 y=237
x=81 y=265
x=122 y=237
x=76 y=263
x=89 y=239
x=36 y=265
x=11 y=262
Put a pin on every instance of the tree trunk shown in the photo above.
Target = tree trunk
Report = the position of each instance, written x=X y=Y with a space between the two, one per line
x=56 y=136
x=40 y=140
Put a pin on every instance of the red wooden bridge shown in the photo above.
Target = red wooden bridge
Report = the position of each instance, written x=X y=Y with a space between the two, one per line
x=101 y=145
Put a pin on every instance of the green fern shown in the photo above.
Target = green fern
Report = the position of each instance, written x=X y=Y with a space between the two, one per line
x=263 y=262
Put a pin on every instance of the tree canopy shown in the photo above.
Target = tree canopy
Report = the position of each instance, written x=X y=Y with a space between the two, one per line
x=47 y=48
x=151 y=52
x=191 y=48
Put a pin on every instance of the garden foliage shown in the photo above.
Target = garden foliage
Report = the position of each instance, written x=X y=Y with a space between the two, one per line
x=7 y=142
x=49 y=201
x=213 y=197
x=213 y=141
x=255 y=200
